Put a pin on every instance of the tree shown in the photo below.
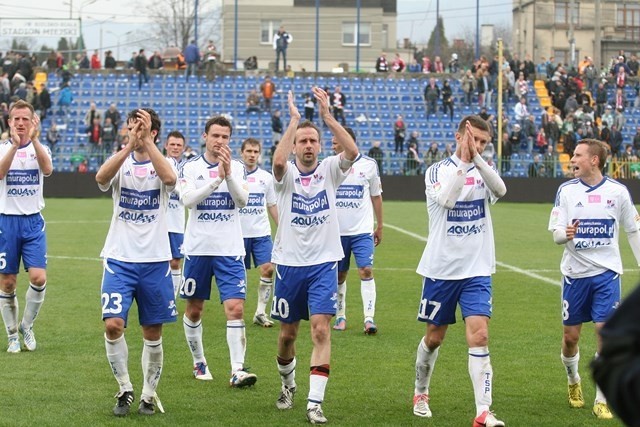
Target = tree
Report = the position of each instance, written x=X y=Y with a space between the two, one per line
x=444 y=43
x=174 y=24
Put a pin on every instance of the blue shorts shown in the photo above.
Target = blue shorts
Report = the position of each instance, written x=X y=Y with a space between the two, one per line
x=440 y=297
x=22 y=236
x=299 y=291
x=590 y=298
x=362 y=247
x=148 y=283
x=258 y=248
x=175 y=241
x=228 y=271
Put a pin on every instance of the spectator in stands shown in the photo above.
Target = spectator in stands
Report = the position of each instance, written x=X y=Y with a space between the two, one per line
x=53 y=136
x=431 y=96
x=281 y=41
x=251 y=63
x=550 y=158
x=619 y=64
x=253 y=101
x=83 y=167
x=94 y=132
x=65 y=99
x=605 y=133
x=338 y=102
x=447 y=99
x=189 y=153
x=541 y=141
x=437 y=66
x=571 y=104
x=530 y=130
x=92 y=113
x=521 y=86
x=633 y=65
x=382 y=66
x=426 y=65
x=414 y=162
x=619 y=119
x=536 y=167
x=508 y=84
x=180 y=62
x=618 y=100
x=108 y=138
x=600 y=98
x=616 y=142
x=398 y=64
x=113 y=114
x=83 y=61
x=448 y=151
x=432 y=155
x=636 y=141
x=517 y=139
x=210 y=59
x=399 y=131
x=109 y=61
x=140 y=65
x=453 y=65
x=590 y=75
x=268 y=89
x=21 y=91
x=551 y=123
x=192 y=58
x=276 y=127
x=468 y=84
x=44 y=101
x=608 y=115
x=414 y=67
x=485 y=88
x=376 y=153
x=521 y=111
x=95 y=60
x=309 y=106
x=621 y=78
x=628 y=157
x=155 y=61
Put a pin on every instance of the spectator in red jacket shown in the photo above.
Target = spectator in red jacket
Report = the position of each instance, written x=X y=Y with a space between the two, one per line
x=95 y=60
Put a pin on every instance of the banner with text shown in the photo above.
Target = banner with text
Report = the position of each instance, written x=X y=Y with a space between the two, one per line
x=40 y=28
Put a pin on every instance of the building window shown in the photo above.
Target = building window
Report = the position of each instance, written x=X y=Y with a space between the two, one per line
x=563 y=56
x=267 y=30
x=563 y=10
x=628 y=18
x=349 y=34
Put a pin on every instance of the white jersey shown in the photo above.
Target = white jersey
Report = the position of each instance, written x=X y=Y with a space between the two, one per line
x=138 y=230
x=353 y=199
x=460 y=243
x=308 y=231
x=175 y=210
x=21 y=191
x=602 y=210
x=254 y=217
x=213 y=226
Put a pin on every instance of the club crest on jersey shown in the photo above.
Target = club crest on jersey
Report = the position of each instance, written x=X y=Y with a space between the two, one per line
x=595 y=198
x=479 y=184
x=611 y=204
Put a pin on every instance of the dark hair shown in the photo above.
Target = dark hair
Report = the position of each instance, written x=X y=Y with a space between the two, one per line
x=350 y=132
x=250 y=141
x=220 y=121
x=308 y=124
x=596 y=148
x=176 y=134
x=20 y=104
x=156 y=124
x=475 y=121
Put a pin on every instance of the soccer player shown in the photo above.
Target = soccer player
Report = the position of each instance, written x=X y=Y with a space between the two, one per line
x=24 y=162
x=136 y=256
x=457 y=263
x=307 y=247
x=588 y=214
x=256 y=228
x=174 y=147
x=358 y=198
x=213 y=187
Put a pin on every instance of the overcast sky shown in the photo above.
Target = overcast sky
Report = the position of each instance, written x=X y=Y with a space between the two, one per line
x=416 y=18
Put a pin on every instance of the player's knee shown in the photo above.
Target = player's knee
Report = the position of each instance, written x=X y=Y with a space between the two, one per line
x=193 y=311
x=174 y=264
x=114 y=328
x=366 y=273
x=8 y=283
x=570 y=338
x=434 y=341
x=287 y=338
x=320 y=334
x=38 y=280
x=266 y=270
x=342 y=276
x=479 y=338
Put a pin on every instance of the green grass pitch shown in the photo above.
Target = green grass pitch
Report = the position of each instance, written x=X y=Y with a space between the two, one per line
x=67 y=381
